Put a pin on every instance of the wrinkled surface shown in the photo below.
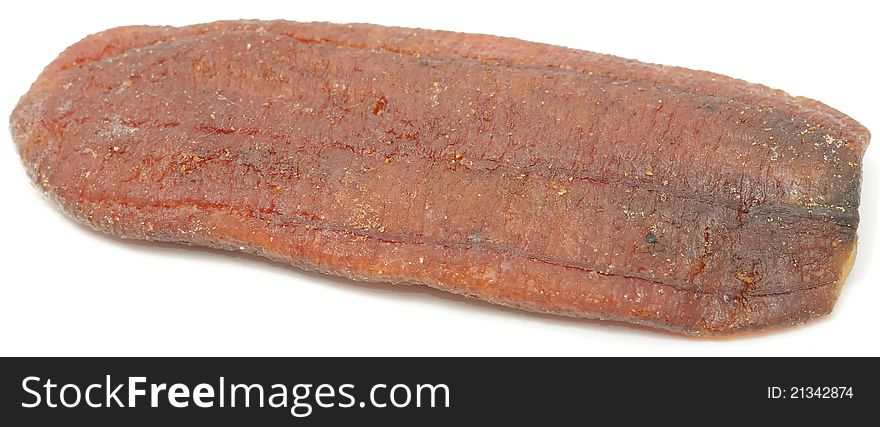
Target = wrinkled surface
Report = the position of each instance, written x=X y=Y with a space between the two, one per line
x=523 y=174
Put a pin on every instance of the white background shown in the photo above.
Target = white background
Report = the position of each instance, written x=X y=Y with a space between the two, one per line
x=66 y=290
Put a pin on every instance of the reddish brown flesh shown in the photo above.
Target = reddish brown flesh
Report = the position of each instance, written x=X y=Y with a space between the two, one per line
x=528 y=175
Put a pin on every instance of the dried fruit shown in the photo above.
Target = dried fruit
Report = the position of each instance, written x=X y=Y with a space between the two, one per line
x=528 y=175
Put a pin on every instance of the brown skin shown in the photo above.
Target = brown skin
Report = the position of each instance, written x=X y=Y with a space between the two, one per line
x=529 y=175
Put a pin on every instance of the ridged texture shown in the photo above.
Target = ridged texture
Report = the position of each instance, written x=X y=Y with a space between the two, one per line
x=529 y=175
